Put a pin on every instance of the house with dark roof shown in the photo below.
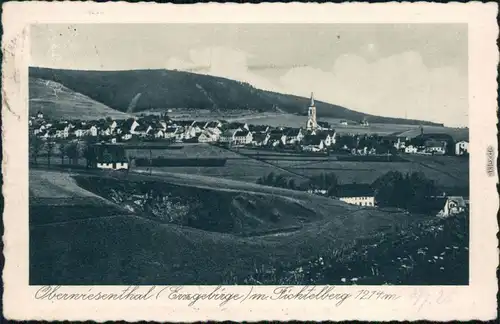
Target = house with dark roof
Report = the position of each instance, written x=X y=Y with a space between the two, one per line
x=356 y=194
x=445 y=206
x=292 y=135
x=109 y=157
x=62 y=130
x=258 y=128
x=242 y=137
x=461 y=148
x=142 y=130
x=213 y=124
x=275 y=138
x=227 y=136
x=313 y=143
x=328 y=137
x=260 y=139
x=399 y=142
x=127 y=125
x=435 y=146
x=208 y=136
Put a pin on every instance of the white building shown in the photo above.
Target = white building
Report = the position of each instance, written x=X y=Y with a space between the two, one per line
x=357 y=194
x=228 y=136
x=410 y=149
x=208 y=136
x=93 y=130
x=112 y=165
x=454 y=205
x=359 y=200
x=242 y=137
x=461 y=148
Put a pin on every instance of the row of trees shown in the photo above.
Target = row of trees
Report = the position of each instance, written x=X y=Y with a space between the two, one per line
x=71 y=151
x=323 y=181
x=409 y=191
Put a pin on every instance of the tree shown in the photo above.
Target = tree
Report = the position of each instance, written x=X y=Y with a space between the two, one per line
x=71 y=151
x=410 y=191
x=324 y=181
x=88 y=151
x=35 y=146
x=387 y=189
x=450 y=147
x=50 y=150
x=280 y=181
x=269 y=180
x=107 y=157
x=62 y=151
x=422 y=188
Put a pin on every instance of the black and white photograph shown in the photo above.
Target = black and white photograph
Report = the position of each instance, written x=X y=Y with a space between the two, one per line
x=223 y=162
x=249 y=154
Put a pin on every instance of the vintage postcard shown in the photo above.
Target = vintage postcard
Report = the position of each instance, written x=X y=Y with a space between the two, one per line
x=224 y=162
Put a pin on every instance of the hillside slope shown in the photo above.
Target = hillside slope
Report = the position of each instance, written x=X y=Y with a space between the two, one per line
x=57 y=101
x=90 y=243
x=160 y=89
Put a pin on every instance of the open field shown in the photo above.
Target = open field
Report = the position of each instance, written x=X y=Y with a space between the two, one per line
x=447 y=171
x=367 y=172
x=116 y=247
x=237 y=167
x=249 y=165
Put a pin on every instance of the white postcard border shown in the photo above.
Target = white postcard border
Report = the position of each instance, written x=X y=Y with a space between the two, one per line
x=476 y=301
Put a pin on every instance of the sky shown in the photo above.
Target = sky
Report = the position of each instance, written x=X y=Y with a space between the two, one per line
x=418 y=71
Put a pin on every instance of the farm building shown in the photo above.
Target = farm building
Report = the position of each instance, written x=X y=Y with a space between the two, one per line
x=435 y=146
x=357 y=194
x=208 y=136
x=108 y=156
x=461 y=148
x=242 y=137
x=411 y=149
x=453 y=205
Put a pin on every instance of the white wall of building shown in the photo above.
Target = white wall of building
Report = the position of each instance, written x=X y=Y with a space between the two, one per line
x=105 y=165
x=461 y=147
x=121 y=166
x=109 y=166
x=360 y=201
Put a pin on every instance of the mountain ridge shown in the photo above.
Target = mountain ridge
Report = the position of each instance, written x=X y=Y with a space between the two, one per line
x=149 y=89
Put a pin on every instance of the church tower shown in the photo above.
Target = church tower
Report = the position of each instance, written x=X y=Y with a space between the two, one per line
x=311 y=113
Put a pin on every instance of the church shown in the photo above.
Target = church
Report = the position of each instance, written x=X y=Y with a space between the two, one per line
x=312 y=122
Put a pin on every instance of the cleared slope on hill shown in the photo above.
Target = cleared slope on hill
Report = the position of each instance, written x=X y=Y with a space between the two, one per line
x=56 y=101
x=161 y=89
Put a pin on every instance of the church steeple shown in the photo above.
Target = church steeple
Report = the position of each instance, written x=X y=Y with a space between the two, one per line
x=311 y=120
